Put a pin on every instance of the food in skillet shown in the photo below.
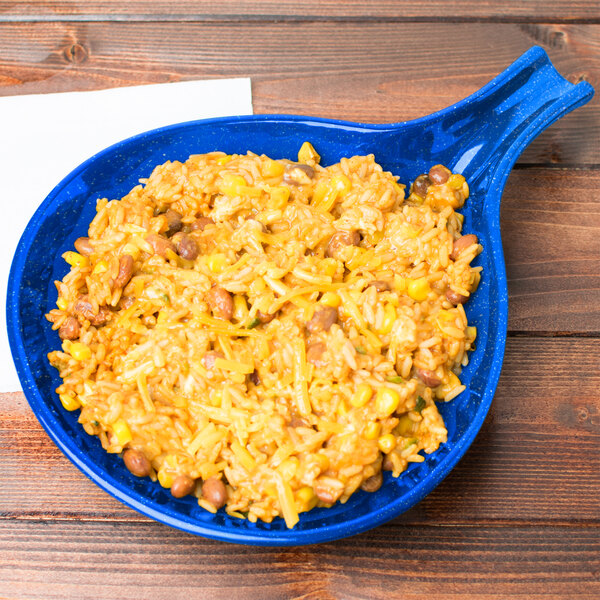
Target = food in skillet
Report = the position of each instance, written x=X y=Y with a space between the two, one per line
x=267 y=335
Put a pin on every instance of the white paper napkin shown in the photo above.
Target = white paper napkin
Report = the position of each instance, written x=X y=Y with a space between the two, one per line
x=44 y=137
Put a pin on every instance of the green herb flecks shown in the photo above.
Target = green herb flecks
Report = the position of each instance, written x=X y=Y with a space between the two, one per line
x=253 y=323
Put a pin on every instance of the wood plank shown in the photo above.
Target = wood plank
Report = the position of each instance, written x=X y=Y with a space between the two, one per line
x=538 y=451
x=513 y=10
x=148 y=560
x=373 y=71
x=550 y=221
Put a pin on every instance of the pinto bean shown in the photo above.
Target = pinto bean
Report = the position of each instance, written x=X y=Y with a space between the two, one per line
x=254 y=378
x=125 y=302
x=340 y=239
x=220 y=302
x=265 y=317
x=372 y=484
x=187 y=247
x=182 y=486
x=380 y=286
x=455 y=298
x=200 y=223
x=160 y=244
x=215 y=492
x=387 y=465
x=69 y=330
x=420 y=185
x=323 y=319
x=298 y=174
x=428 y=377
x=125 y=271
x=173 y=222
x=136 y=462
x=208 y=360
x=314 y=354
x=83 y=307
x=439 y=174
x=461 y=244
x=297 y=421
x=83 y=246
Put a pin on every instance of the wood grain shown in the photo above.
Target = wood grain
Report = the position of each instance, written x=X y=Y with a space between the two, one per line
x=513 y=10
x=550 y=222
x=539 y=449
x=52 y=560
x=371 y=71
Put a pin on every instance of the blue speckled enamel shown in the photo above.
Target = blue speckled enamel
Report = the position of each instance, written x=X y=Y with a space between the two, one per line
x=481 y=137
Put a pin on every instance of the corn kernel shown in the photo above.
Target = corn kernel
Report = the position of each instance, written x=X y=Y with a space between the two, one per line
x=232 y=185
x=258 y=286
x=288 y=468
x=165 y=479
x=320 y=192
x=418 y=289
x=341 y=184
x=62 y=303
x=415 y=199
x=80 y=351
x=372 y=430
x=357 y=259
x=75 y=259
x=162 y=317
x=386 y=401
x=362 y=395
x=405 y=425
x=240 y=308
x=456 y=181
x=279 y=196
x=216 y=398
x=329 y=266
x=101 y=267
x=224 y=160
x=69 y=402
x=325 y=195
x=306 y=498
x=122 y=431
x=271 y=491
x=272 y=168
x=375 y=237
x=471 y=332
x=171 y=461
x=400 y=190
x=330 y=299
x=453 y=380
x=448 y=386
x=216 y=262
x=323 y=462
x=387 y=443
x=307 y=154
x=132 y=250
x=342 y=409
x=389 y=318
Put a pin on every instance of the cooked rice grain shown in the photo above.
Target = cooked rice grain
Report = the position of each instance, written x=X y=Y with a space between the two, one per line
x=203 y=360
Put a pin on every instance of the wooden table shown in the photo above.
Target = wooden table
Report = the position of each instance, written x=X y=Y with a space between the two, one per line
x=520 y=515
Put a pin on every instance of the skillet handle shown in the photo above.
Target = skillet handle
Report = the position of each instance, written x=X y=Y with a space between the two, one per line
x=513 y=109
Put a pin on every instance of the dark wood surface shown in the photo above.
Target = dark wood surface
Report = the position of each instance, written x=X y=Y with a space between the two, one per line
x=519 y=517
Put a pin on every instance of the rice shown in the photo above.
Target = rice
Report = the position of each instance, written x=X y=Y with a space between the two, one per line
x=268 y=336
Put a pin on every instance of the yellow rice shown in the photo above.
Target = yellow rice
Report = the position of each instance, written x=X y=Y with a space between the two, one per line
x=289 y=419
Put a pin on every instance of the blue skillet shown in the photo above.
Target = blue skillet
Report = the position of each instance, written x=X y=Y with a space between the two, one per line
x=480 y=137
